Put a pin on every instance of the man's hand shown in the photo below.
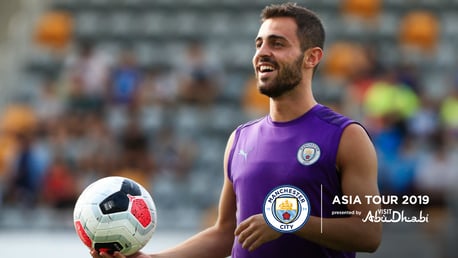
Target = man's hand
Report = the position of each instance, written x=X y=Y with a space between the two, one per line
x=96 y=254
x=254 y=231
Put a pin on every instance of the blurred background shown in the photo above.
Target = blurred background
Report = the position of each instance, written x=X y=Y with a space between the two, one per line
x=151 y=90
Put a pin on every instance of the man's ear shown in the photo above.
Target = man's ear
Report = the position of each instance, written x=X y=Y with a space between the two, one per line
x=312 y=57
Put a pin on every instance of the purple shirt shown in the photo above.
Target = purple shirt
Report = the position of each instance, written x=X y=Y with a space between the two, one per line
x=267 y=154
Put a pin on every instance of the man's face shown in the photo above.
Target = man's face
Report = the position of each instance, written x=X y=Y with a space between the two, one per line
x=278 y=58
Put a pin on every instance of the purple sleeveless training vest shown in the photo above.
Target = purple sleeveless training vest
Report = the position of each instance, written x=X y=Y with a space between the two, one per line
x=265 y=155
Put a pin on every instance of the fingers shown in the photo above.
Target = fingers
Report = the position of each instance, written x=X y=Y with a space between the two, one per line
x=118 y=255
x=255 y=244
x=247 y=234
x=248 y=240
x=241 y=227
x=253 y=232
x=103 y=254
x=95 y=254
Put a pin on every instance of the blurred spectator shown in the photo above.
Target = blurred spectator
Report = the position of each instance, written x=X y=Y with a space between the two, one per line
x=388 y=105
x=125 y=80
x=158 y=88
x=387 y=100
x=134 y=159
x=101 y=151
x=87 y=74
x=59 y=185
x=49 y=106
x=436 y=173
x=199 y=79
x=175 y=155
x=18 y=121
x=363 y=78
x=425 y=120
x=407 y=74
x=397 y=169
x=449 y=110
x=437 y=178
x=254 y=103
x=29 y=167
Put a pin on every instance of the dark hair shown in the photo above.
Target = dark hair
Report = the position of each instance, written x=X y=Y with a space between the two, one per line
x=310 y=30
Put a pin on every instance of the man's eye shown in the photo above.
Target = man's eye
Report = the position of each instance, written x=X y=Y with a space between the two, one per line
x=278 y=44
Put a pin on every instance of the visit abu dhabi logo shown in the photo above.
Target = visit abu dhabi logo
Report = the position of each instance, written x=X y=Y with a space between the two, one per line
x=286 y=208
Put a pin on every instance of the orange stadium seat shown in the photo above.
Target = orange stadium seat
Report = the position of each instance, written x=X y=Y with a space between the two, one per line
x=361 y=8
x=254 y=103
x=419 y=29
x=18 y=119
x=54 y=29
x=344 y=60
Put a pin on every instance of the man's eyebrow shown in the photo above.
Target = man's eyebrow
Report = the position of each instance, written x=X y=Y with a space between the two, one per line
x=271 y=37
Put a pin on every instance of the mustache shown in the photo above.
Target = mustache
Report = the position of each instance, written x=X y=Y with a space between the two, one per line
x=267 y=59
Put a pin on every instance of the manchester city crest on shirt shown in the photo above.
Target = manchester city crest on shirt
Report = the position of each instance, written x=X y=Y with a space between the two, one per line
x=286 y=208
x=308 y=153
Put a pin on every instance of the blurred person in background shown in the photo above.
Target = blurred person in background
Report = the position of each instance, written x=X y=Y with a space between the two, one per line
x=158 y=88
x=388 y=105
x=448 y=110
x=176 y=156
x=134 y=160
x=369 y=70
x=87 y=73
x=425 y=121
x=199 y=79
x=437 y=177
x=29 y=168
x=28 y=159
x=125 y=80
x=49 y=105
x=59 y=190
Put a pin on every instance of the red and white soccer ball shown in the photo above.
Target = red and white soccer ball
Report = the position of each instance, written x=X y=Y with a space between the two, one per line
x=115 y=214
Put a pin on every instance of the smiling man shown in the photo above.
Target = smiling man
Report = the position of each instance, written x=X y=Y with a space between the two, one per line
x=301 y=148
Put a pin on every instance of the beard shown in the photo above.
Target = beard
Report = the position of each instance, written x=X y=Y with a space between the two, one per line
x=289 y=76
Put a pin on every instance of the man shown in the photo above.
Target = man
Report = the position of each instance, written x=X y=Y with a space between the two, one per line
x=264 y=154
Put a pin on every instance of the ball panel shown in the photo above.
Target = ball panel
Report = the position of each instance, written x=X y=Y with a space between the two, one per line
x=108 y=247
x=130 y=187
x=82 y=234
x=140 y=211
x=116 y=202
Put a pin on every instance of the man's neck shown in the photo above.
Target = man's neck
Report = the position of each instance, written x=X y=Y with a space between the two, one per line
x=292 y=104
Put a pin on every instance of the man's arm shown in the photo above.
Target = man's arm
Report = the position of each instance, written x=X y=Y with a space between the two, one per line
x=213 y=242
x=357 y=163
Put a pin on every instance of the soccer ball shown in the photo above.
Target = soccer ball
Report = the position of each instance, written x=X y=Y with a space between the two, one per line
x=115 y=214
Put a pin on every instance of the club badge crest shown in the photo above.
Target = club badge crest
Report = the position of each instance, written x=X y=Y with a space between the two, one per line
x=286 y=208
x=308 y=153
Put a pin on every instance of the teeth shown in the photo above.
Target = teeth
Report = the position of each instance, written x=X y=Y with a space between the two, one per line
x=266 y=68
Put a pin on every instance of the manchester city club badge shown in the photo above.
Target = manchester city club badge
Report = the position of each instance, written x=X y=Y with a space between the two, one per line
x=308 y=153
x=286 y=208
